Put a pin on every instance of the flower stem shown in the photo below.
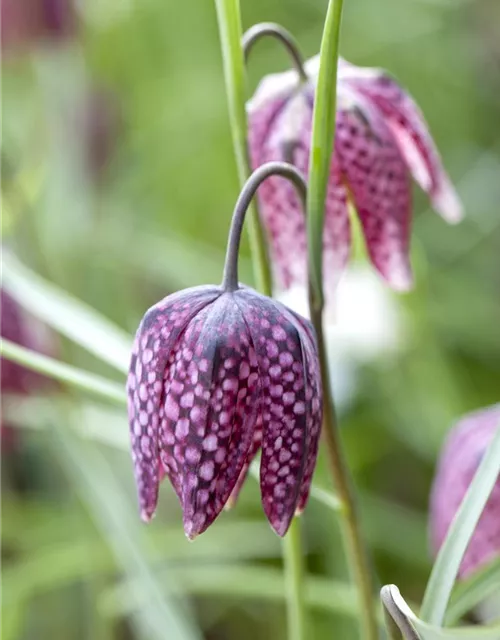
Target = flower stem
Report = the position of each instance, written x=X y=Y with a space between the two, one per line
x=229 y=20
x=295 y=582
x=283 y=169
x=323 y=132
x=285 y=37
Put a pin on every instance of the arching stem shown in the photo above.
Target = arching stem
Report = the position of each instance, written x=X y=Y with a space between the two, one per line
x=283 y=169
x=275 y=31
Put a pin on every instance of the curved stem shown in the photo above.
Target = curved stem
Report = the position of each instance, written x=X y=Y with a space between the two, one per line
x=283 y=169
x=280 y=33
x=323 y=131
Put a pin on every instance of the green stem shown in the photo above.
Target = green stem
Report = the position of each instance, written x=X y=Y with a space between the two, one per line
x=295 y=582
x=323 y=132
x=231 y=36
x=229 y=19
x=65 y=373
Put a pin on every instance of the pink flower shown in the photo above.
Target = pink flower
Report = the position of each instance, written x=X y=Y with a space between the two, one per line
x=216 y=374
x=381 y=138
x=460 y=458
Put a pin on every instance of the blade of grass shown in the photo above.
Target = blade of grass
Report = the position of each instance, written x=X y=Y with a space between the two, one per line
x=473 y=590
x=62 y=372
x=445 y=569
x=71 y=317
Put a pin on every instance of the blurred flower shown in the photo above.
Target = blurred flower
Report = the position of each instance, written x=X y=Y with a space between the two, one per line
x=459 y=461
x=20 y=327
x=215 y=375
x=381 y=137
x=28 y=23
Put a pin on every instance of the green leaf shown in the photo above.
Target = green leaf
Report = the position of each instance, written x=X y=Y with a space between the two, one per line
x=74 y=319
x=445 y=569
x=475 y=589
x=65 y=373
x=428 y=631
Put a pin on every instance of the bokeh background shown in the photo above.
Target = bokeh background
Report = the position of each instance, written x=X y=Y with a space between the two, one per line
x=117 y=186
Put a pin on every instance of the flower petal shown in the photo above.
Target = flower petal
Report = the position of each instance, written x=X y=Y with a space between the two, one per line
x=314 y=393
x=254 y=449
x=412 y=135
x=153 y=345
x=285 y=418
x=210 y=411
x=288 y=139
x=377 y=177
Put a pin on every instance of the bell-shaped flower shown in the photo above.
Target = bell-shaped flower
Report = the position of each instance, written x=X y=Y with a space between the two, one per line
x=218 y=373
x=381 y=140
x=462 y=453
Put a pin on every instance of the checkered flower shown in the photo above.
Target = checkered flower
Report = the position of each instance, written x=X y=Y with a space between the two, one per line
x=459 y=461
x=381 y=139
x=218 y=373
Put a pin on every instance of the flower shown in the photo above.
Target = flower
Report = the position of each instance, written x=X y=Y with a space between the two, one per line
x=459 y=461
x=381 y=138
x=28 y=23
x=216 y=374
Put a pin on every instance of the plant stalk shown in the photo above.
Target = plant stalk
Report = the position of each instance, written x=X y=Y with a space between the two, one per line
x=231 y=36
x=323 y=132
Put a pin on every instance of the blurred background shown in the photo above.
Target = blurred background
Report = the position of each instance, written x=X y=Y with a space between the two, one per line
x=117 y=186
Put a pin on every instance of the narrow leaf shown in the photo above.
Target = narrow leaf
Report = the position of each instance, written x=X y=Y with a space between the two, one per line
x=65 y=373
x=74 y=319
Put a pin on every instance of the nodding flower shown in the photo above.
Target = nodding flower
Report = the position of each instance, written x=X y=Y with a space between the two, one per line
x=381 y=140
x=217 y=374
x=460 y=458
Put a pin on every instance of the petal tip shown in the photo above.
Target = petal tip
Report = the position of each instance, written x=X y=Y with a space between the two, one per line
x=448 y=204
x=401 y=278
x=147 y=515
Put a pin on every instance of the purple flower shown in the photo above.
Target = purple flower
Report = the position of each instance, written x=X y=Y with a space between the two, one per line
x=381 y=138
x=28 y=23
x=460 y=458
x=218 y=373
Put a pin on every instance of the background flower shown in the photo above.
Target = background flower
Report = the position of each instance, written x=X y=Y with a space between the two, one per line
x=381 y=138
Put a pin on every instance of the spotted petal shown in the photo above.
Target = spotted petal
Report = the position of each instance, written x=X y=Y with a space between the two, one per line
x=376 y=175
x=278 y=340
x=287 y=139
x=411 y=133
x=210 y=412
x=154 y=343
